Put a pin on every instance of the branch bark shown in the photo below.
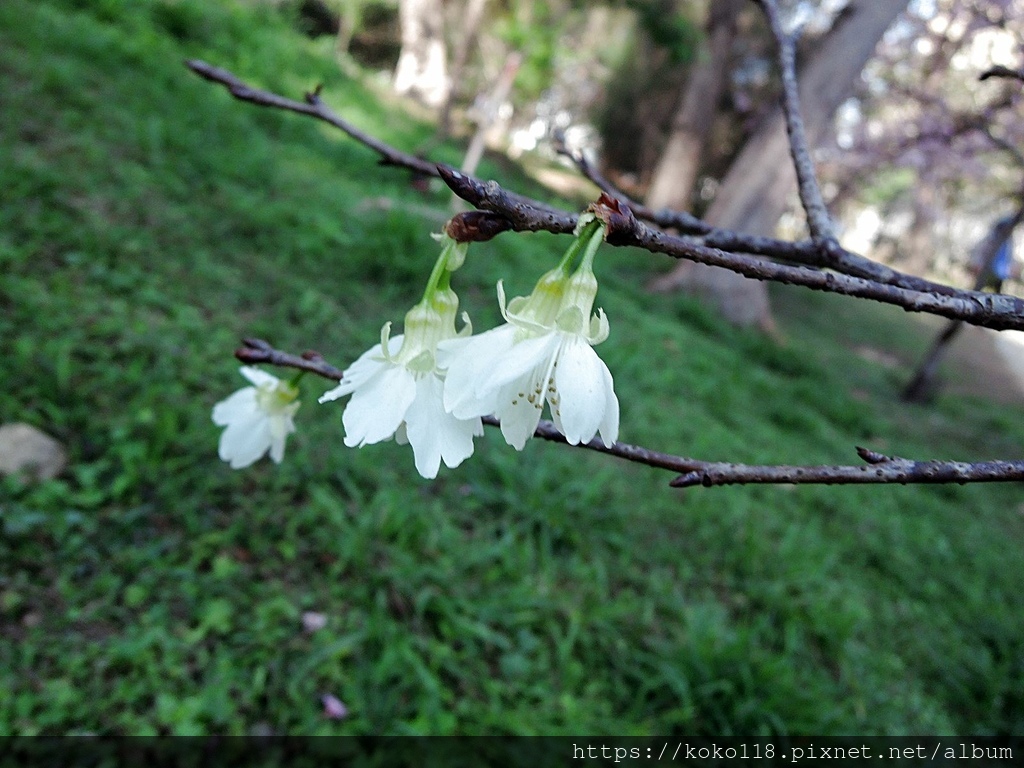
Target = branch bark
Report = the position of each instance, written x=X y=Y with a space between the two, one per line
x=523 y=214
x=879 y=469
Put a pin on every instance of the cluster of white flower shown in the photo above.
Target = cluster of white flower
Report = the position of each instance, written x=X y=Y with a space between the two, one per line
x=430 y=386
x=258 y=418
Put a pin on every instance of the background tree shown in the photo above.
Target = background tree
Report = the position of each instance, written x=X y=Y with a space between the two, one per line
x=993 y=263
x=422 y=69
x=471 y=14
x=759 y=184
x=676 y=172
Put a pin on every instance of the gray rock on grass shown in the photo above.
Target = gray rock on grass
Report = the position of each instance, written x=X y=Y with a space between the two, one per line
x=28 y=451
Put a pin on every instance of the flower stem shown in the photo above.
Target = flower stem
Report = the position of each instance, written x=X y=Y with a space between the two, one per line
x=440 y=275
x=593 y=233
x=585 y=238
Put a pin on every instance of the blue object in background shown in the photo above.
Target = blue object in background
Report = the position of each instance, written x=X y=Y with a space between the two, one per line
x=1003 y=262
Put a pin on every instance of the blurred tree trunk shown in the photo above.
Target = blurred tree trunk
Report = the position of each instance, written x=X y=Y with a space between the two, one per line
x=755 y=191
x=923 y=385
x=348 y=23
x=489 y=112
x=916 y=254
x=676 y=171
x=472 y=15
x=422 y=69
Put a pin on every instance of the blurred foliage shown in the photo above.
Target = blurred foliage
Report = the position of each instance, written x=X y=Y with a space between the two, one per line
x=668 y=28
x=533 y=29
x=150 y=221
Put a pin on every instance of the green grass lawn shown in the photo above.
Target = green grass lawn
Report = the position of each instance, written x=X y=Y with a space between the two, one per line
x=147 y=222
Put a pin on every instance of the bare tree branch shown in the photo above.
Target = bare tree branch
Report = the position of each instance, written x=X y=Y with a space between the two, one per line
x=881 y=469
x=1002 y=144
x=818 y=220
x=314 y=107
x=489 y=196
x=884 y=471
x=500 y=211
x=259 y=351
x=828 y=254
x=1000 y=71
x=585 y=167
x=997 y=311
x=532 y=215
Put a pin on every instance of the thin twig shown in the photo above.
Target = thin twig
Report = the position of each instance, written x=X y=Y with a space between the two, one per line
x=1000 y=71
x=521 y=214
x=818 y=220
x=595 y=176
x=880 y=469
x=260 y=351
x=1003 y=144
x=828 y=254
x=996 y=311
x=505 y=210
x=525 y=215
x=313 y=106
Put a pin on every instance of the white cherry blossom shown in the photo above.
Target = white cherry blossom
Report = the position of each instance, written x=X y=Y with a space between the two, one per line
x=397 y=388
x=542 y=354
x=257 y=419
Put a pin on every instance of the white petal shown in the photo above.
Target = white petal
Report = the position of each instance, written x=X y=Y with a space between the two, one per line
x=521 y=401
x=378 y=406
x=239 y=405
x=466 y=362
x=519 y=362
x=519 y=419
x=457 y=439
x=610 y=423
x=244 y=442
x=394 y=345
x=435 y=434
x=281 y=425
x=580 y=385
x=357 y=374
x=277 y=448
x=258 y=376
x=400 y=436
x=599 y=327
x=346 y=387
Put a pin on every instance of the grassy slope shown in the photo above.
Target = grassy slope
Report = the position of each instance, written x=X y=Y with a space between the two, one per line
x=148 y=222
